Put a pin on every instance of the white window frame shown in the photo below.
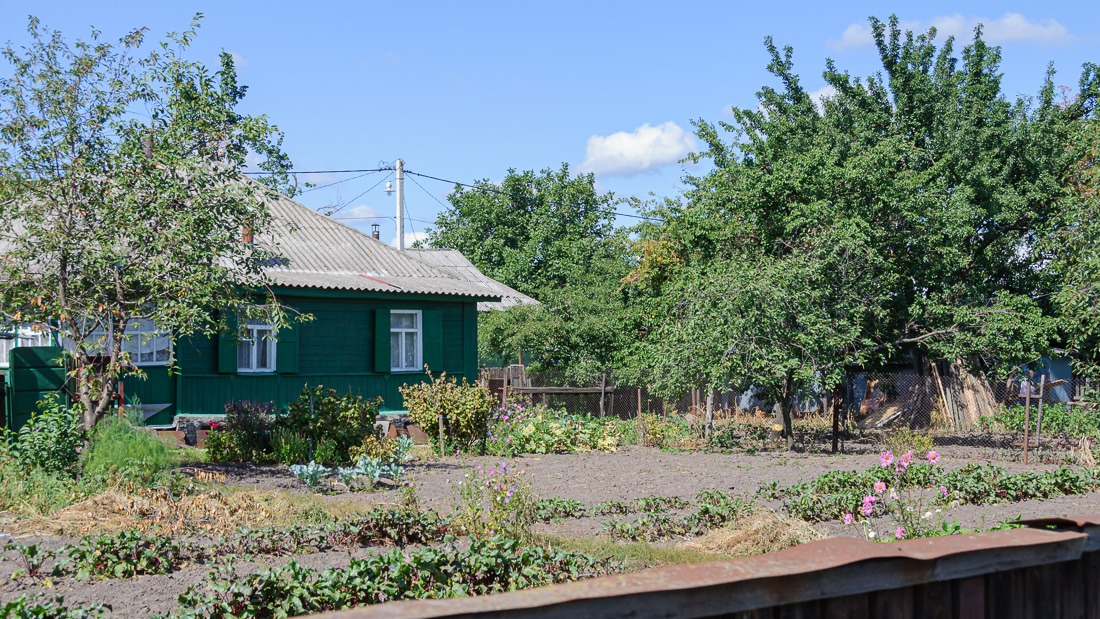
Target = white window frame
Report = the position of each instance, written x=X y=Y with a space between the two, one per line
x=143 y=338
x=418 y=364
x=25 y=335
x=253 y=329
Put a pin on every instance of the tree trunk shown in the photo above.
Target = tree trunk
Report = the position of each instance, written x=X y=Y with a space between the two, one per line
x=786 y=406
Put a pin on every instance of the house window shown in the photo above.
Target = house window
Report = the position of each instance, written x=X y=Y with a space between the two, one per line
x=405 y=341
x=256 y=350
x=23 y=335
x=146 y=344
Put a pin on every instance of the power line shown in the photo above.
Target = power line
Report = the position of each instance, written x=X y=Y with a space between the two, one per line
x=344 y=205
x=323 y=171
x=515 y=197
x=444 y=180
x=352 y=178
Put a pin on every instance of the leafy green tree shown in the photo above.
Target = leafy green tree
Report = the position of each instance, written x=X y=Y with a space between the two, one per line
x=1074 y=245
x=898 y=219
x=553 y=237
x=121 y=195
x=531 y=231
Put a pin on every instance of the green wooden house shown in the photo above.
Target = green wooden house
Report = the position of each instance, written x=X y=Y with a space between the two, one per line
x=379 y=316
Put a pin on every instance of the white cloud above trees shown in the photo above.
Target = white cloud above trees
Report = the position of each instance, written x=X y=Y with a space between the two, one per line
x=1011 y=27
x=645 y=149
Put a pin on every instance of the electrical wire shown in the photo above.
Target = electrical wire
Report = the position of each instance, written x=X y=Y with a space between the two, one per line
x=344 y=205
x=323 y=171
x=514 y=197
x=384 y=167
x=337 y=182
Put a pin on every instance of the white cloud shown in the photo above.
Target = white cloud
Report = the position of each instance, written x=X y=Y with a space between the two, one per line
x=239 y=61
x=1008 y=28
x=820 y=95
x=362 y=211
x=410 y=238
x=644 y=149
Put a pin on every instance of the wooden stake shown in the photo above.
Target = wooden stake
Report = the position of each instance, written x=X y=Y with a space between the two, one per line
x=1039 y=421
x=1027 y=417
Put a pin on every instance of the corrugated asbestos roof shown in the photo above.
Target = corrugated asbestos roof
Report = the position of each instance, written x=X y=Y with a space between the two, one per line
x=322 y=253
x=452 y=261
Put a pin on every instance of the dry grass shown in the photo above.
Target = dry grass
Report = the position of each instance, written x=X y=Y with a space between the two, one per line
x=212 y=512
x=759 y=532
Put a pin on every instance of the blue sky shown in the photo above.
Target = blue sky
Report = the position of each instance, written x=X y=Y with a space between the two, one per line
x=466 y=90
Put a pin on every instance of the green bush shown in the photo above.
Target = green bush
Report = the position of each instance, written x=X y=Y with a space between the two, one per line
x=33 y=491
x=50 y=439
x=1058 y=419
x=244 y=435
x=289 y=446
x=465 y=409
x=519 y=428
x=333 y=423
x=118 y=450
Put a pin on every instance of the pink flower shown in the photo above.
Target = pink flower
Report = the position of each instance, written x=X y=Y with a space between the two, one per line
x=880 y=487
x=900 y=533
x=848 y=519
x=887 y=458
x=933 y=457
x=867 y=509
x=943 y=491
x=907 y=458
x=870 y=499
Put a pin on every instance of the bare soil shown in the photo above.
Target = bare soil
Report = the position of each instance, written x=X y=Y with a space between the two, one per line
x=629 y=473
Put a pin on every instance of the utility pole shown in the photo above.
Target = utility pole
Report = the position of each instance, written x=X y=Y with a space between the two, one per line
x=400 y=176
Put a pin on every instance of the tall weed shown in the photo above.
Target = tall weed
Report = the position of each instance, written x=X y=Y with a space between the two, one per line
x=118 y=450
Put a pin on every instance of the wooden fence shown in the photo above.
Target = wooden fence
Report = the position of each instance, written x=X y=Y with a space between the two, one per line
x=1049 y=569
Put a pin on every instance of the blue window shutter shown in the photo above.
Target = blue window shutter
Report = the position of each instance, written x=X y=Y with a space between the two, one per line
x=433 y=340
x=227 y=343
x=381 y=341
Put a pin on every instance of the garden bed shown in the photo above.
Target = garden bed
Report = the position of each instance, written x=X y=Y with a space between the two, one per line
x=584 y=479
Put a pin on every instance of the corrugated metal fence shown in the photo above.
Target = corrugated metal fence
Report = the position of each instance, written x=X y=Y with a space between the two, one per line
x=1051 y=569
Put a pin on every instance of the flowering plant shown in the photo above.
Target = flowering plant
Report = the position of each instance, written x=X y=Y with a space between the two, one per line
x=518 y=428
x=897 y=494
x=495 y=501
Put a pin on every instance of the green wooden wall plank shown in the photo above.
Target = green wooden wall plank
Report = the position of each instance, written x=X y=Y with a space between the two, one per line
x=433 y=339
x=381 y=344
x=286 y=350
x=227 y=344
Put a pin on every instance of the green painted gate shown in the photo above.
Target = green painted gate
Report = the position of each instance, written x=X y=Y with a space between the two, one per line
x=35 y=373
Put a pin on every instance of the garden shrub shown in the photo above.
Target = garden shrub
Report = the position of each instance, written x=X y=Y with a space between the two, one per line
x=673 y=431
x=289 y=446
x=50 y=439
x=244 y=435
x=519 y=428
x=465 y=407
x=34 y=491
x=119 y=450
x=374 y=446
x=1058 y=419
x=902 y=439
x=334 y=423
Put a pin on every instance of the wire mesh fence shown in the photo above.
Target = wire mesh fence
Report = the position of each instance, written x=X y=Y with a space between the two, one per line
x=945 y=406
